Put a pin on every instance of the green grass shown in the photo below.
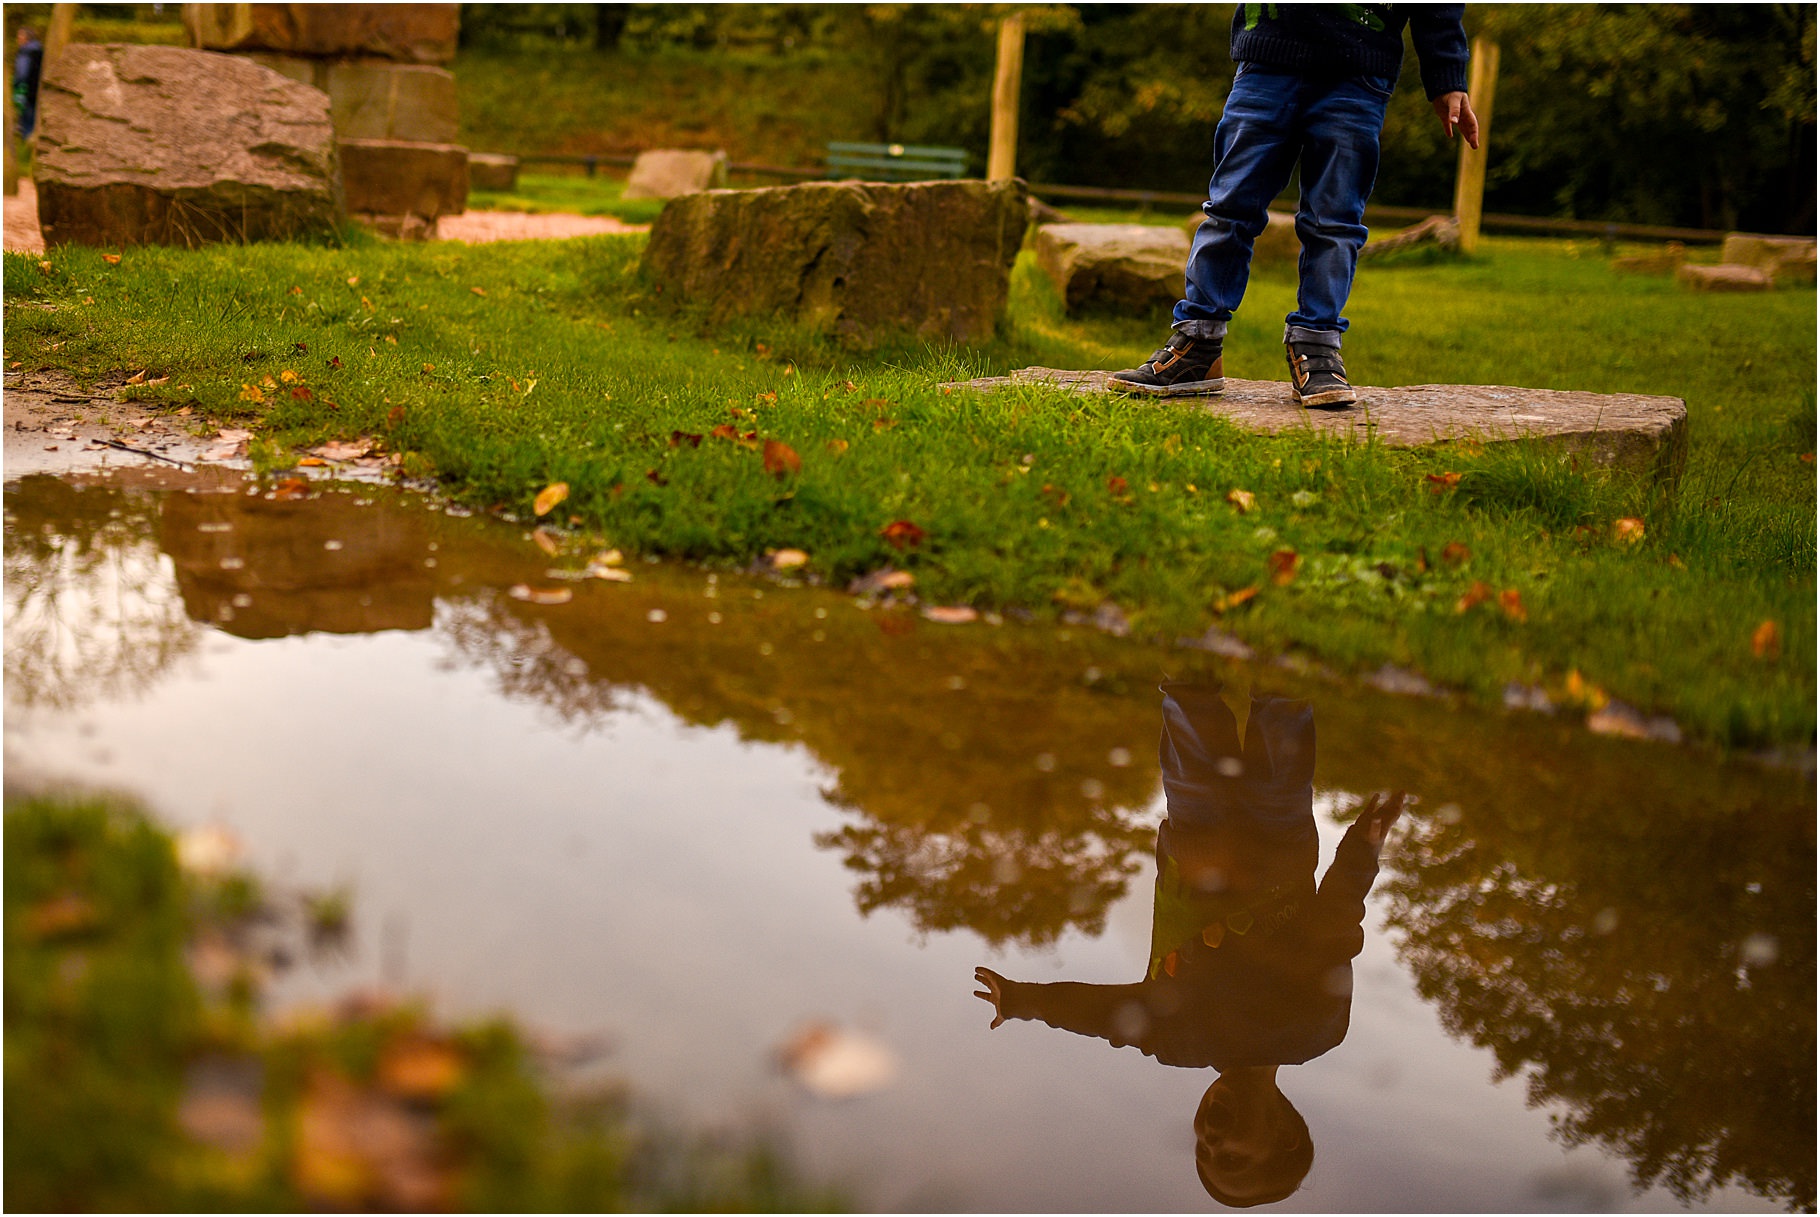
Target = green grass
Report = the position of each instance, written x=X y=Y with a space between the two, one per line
x=573 y=193
x=566 y=370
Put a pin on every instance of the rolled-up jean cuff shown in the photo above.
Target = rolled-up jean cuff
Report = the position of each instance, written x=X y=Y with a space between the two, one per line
x=1197 y=328
x=1324 y=338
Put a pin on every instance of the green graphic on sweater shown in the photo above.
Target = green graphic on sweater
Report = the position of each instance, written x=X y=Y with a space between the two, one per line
x=1360 y=14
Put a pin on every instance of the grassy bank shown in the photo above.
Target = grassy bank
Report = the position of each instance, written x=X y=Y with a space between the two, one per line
x=502 y=369
x=143 y=1076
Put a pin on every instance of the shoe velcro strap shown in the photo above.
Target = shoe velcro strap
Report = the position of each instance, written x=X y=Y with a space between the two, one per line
x=1323 y=359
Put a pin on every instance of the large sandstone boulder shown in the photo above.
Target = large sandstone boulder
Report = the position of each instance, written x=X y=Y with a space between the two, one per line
x=1766 y=253
x=406 y=33
x=156 y=144
x=492 y=171
x=862 y=260
x=670 y=173
x=1123 y=268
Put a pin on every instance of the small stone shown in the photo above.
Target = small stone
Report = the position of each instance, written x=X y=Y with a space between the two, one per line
x=668 y=173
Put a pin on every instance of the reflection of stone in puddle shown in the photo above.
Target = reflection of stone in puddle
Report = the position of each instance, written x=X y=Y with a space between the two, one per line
x=267 y=569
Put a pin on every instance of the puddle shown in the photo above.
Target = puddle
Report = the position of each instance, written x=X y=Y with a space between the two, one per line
x=756 y=840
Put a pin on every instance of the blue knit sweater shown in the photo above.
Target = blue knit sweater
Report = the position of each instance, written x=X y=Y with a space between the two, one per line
x=1355 y=40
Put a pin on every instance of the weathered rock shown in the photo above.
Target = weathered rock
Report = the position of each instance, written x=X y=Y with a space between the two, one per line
x=669 y=173
x=1666 y=261
x=1277 y=245
x=155 y=144
x=392 y=177
x=312 y=72
x=1724 y=278
x=1795 y=270
x=1123 y=268
x=492 y=171
x=861 y=260
x=1441 y=232
x=1623 y=431
x=373 y=100
x=1765 y=253
x=1042 y=213
x=406 y=33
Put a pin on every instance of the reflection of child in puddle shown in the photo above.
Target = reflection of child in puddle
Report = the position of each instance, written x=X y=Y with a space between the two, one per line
x=1250 y=963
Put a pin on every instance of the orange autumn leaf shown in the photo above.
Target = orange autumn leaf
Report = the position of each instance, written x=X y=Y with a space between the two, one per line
x=291 y=488
x=1117 y=485
x=1234 y=599
x=781 y=459
x=835 y=446
x=679 y=438
x=1475 y=595
x=1628 y=530
x=902 y=534
x=301 y=393
x=1283 y=566
x=540 y=595
x=313 y=462
x=549 y=542
x=421 y=1069
x=1511 y=601
x=111 y=259
x=1455 y=554
x=1438 y=482
x=1766 y=642
x=549 y=497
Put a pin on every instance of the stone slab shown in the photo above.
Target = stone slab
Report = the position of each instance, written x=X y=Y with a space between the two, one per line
x=372 y=99
x=1123 y=268
x=1724 y=278
x=1277 y=245
x=669 y=173
x=405 y=33
x=1631 y=432
x=397 y=177
x=158 y=144
x=492 y=171
x=1765 y=253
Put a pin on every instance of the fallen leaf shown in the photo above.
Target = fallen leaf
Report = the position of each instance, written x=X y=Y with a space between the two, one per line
x=301 y=393
x=267 y=382
x=353 y=280
x=540 y=595
x=60 y=915
x=1455 y=554
x=1475 y=595
x=137 y=378
x=291 y=488
x=251 y=393
x=549 y=542
x=549 y=497
x=679 y=438
x=1244 y=500
x=1283 y=566
x=1582 y=692
x=1232 y=600
x=111 y=259
x=1807 y=458
x=428 y=368
x=1766 y=641
x=883 y=424
x=902 y=534
x=288 y=376
x=1116 y=486
x=394 y=416
x=955 y=614
x=313 y=462
x=1510 y=600
x=788 y=559
x=334 y=362
x=884 y=580
x=294 y=291
x=343 y=450
x=835 y=446
x=655 y=478
x=391 y=340
x=419 y=1068
x=478 y=291
x=781 y=459
x=366 y=304
x=1627 y=531
x=1439 y=482
x=724 y=431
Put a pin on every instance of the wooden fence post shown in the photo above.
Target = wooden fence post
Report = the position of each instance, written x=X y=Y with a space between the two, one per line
x=1469 y=186
x=1001 y=162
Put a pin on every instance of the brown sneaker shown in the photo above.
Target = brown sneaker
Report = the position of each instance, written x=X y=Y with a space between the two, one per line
x=1184 y=367
x=1317 y=375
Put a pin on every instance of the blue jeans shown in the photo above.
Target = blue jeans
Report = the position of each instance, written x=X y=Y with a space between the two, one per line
x=1274 y=118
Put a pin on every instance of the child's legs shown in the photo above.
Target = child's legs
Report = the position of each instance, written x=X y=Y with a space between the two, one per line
x=1340 y=129
x=1254 y=153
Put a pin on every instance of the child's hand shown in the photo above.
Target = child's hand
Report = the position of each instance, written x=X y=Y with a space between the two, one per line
x=994 y=993
x=1455 y=111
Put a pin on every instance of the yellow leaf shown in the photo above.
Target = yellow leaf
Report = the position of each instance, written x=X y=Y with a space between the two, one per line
x=1766 y=642
x=312 y=462
x=249 y=393
x=1628 y=530
x=788 y=559
x=111 y=259
x=547 y=541
x=366 y=304
x=288 y=376
x=837 y=446
x=1244 y=500
x=549 y=497
x=1232 y=600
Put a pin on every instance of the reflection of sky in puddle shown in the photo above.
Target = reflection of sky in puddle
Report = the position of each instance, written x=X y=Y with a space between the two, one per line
x=660 y=883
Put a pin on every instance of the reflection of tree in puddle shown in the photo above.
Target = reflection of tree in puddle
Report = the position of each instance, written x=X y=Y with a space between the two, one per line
x=90 y=612
x=1650 y=969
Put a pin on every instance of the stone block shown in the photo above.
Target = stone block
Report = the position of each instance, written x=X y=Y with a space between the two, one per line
x=157 y=144
x=1666 y=261
x=1724 y=278
x=312 y=72
x=1627 y=432
x=372 y=99
x=860 y=260
x=492 y=171
x=1764 y=253
x=389 y=177
x=1795 y=271
x=405 y=33
x=669 y=173
x=1122 y=268
x=1277 y=245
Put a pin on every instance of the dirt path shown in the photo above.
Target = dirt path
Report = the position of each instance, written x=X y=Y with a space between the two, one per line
x=472 y=228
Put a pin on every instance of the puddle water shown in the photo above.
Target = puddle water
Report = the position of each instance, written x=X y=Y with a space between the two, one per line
x=721 y=825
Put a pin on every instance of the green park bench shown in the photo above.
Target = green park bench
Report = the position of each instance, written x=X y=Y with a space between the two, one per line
x=894 y=162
